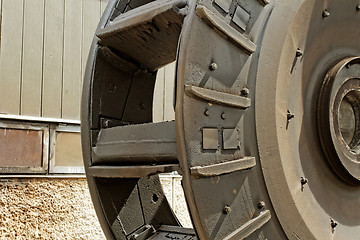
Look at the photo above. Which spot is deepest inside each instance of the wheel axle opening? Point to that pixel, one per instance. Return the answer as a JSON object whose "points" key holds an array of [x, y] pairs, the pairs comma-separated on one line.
{"points": [[349, 120]]}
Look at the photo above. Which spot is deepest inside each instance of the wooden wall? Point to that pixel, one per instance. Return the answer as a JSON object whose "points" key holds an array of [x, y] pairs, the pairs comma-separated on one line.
{"points": [[43, 54], [163, 103]]}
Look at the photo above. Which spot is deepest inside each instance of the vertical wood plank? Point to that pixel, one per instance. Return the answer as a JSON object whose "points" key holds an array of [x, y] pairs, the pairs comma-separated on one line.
{"points": [[169, 113], [91, 17], [72, 60], [158, 100], [11, 56], [32, 58], [53, 58]]}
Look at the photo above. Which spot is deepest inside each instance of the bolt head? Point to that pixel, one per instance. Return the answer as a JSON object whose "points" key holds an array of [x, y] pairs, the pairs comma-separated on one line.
{"points": [[299, 53], [213, 66], [358, 8], [303, 181], [207, 112], [290, 115], [106, 123], [245, 92], [261, 205], [333, 224], [223, 116], [325, 13], [227, 210]]}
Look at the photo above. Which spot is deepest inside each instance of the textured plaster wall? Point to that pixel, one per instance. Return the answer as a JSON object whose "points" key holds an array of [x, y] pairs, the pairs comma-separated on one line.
{"points": [[40, 208], [175, 195]]}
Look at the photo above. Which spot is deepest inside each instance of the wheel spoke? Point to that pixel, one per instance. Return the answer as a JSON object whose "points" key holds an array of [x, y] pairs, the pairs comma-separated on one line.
{"points": [[140, 143], [131, 171]]}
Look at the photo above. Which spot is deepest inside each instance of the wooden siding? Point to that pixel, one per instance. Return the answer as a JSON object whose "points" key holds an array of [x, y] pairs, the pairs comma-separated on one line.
{"points": [[43, 54], [163, 103], [11, 55]]}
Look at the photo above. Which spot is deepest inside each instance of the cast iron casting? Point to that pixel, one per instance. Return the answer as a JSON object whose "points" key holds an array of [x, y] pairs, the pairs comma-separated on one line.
{"points": [[267, 119]]}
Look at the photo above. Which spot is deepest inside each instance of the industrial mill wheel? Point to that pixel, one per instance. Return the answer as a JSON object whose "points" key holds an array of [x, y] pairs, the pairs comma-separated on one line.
{"points": [[267, 119]]}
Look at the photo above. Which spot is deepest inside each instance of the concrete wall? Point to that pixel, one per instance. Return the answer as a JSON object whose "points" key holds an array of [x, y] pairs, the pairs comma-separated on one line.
{"points": [[61, 208]]}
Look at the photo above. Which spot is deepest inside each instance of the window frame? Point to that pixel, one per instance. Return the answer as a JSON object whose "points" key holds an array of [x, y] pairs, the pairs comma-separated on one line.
{"points": [[53, 169], [45, 150]]}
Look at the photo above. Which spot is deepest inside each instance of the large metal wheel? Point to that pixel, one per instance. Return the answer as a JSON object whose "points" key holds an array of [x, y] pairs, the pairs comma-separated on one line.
{"points": [[267, 125]]}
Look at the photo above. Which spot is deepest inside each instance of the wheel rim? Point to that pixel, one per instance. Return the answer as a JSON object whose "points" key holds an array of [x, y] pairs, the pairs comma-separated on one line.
{"points": [[122, 172], [221, 178], [311, 201]]}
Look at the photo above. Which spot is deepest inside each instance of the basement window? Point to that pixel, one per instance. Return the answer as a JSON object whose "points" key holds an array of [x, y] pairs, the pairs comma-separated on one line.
{"points": [[24, 148], [66, 153]]}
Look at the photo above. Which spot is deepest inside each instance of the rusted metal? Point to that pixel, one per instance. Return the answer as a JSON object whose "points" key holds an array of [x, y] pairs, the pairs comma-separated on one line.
{"points": [[21, 148], [24, 147]]}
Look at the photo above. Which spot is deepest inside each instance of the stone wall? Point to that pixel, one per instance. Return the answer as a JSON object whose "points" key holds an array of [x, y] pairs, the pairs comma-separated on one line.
{"points": [[61, 208]]}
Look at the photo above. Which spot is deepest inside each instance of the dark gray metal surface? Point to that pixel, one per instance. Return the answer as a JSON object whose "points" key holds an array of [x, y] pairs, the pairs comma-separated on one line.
{"points": [[157, 24], [249, 136], [118, 93], [140, 143], [222, 182]]}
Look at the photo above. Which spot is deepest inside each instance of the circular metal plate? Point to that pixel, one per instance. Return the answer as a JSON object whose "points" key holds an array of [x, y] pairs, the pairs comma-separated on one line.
{"points": [[310, 200]]}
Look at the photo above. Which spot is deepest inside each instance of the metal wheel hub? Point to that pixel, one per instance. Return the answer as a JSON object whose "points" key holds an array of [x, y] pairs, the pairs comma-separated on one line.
{"points": [[306, 116], [339, 119]]}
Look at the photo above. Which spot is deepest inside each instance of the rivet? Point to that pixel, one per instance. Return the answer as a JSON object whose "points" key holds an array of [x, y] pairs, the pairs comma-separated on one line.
{"points": [[261, 205], [289, 115], [106, 123], [333, 225], [358, 7], [223, 116], [227, 210], [325, 13], [213, 66], [245, 92], [303, 182], [207, 112], [299, 53]]}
